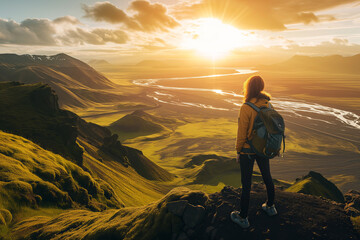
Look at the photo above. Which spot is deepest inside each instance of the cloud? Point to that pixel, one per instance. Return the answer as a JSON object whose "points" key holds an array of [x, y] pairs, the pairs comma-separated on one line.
{"points": [[146, 16], [261, 14], [49, 33], [306, 18], [28, 32], [96, 37], [66, 19]]}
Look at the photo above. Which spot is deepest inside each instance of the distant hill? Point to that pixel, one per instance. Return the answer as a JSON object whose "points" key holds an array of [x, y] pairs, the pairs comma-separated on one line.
{"points": [[315, 184], [187, 214], [140, 123], [75, 82], [332, 64]]}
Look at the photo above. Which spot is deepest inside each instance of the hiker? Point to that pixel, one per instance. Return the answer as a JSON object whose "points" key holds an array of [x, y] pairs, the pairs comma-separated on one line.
{"points": [[253, 95]]}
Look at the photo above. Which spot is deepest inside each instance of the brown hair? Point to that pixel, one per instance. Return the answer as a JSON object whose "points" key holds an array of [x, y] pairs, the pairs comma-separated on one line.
{"points": [[253, 88]]}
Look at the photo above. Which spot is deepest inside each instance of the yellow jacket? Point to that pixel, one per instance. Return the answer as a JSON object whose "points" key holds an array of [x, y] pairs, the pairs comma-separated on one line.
{"points": [[246, 121]]}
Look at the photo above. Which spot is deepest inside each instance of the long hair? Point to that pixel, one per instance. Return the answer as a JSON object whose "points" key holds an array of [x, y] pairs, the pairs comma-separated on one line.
{"points": [[254, 88]]}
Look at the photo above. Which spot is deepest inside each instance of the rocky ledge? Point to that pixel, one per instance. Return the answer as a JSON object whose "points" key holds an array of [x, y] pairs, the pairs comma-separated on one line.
{"points": [[185, 214]]}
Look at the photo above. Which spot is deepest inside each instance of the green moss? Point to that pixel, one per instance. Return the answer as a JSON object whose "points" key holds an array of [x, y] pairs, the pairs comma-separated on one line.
{"points": [[32, 111], [33, 177], [356, 222], [153, 221], [315, 184]]}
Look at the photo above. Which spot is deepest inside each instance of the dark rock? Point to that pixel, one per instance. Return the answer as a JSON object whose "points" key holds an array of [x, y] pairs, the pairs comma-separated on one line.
{"points": [[190, 232], [177, 207], [209, 229], [176, 224], [223, 212], [193, 215], [195, 198], [213, 234], [182, 236], [353, 212], [352, 199]]}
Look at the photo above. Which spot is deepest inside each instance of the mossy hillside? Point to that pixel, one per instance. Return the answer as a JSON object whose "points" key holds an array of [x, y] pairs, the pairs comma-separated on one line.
{"points": [[152, 221], [130, 187], [33, 177], [32, 111], [356, 223], [315, 184], [99, 142]]}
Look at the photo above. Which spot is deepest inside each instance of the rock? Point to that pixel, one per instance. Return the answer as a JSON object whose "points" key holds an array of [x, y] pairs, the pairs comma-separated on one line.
{"points": [[176, 224], [190, 232], [213, 234], [352, 199], [177, 207], [193, 215], [223, 212], [209, 229], [182, 236], [353, 212]]}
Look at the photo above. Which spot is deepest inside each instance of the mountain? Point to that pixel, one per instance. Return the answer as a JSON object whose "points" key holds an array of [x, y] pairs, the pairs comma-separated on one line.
{"points": [[333, 64], [75, 82], [33, 178], [315, 184], [140, 123], [32, 111], [187, 214]]}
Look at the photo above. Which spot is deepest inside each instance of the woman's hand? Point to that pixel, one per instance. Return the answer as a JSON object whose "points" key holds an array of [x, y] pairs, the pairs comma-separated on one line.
{"points": [[238, 157]]}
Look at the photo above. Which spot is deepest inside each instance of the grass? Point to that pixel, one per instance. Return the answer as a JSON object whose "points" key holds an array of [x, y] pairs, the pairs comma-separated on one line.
{"points": [[315, 184], [356, 222], [33, 177], [152, 221], [32, 111]]}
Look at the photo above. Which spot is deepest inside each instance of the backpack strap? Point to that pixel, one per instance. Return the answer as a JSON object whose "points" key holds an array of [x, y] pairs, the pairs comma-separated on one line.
{"points": [[253, 106]]}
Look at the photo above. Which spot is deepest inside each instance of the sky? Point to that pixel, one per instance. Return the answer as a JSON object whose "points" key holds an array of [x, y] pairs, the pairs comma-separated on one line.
{"points": [[128, 31]]}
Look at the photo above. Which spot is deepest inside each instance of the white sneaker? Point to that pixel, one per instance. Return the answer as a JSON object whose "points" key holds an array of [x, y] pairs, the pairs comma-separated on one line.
{"points": [[271, 211], [242, 222]]}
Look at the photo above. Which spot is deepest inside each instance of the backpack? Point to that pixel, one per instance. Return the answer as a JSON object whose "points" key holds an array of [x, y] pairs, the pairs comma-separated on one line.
{"points": [[267, 133]]}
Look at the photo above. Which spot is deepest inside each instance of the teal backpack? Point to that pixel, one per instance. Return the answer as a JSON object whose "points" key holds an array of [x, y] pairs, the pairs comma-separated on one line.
{"points": [[268, 132]]}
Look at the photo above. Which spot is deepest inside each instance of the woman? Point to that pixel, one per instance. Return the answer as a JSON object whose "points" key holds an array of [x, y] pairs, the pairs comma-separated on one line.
{"points": [[253, 92]]}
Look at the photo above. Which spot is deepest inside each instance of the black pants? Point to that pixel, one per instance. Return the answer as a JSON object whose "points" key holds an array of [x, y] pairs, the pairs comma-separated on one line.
{"points": [[247, 165]]}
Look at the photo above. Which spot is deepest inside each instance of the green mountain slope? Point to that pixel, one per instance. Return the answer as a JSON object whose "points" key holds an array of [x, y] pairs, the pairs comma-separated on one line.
{"points": [[315, 184], [33, 177], [32, 111]]}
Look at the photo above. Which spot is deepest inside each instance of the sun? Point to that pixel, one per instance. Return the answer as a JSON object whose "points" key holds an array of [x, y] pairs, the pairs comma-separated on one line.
{"points": [[213, 39]]}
